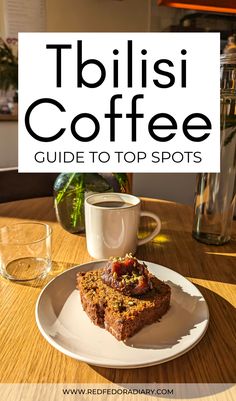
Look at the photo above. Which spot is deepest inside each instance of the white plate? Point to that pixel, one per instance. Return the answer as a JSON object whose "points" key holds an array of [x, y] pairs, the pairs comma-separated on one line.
{"points": [[64, 324]]}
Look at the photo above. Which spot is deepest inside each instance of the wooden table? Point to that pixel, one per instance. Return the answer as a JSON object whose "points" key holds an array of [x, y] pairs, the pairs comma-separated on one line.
{"points": [[26, 357]]}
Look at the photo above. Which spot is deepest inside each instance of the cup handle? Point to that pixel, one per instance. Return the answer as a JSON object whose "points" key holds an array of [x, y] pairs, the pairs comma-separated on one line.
{"points": [[155, 231]]}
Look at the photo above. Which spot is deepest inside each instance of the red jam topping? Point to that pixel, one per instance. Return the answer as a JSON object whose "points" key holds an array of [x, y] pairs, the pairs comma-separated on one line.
{"points": [[127, 275]]}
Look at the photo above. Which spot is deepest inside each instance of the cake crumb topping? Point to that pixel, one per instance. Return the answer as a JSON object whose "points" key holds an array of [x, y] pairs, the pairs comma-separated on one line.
{"points": [[127, 275]]}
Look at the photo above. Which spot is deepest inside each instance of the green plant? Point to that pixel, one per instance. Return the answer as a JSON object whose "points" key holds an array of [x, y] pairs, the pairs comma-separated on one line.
{"points": [[75, 185], [8, 67]]}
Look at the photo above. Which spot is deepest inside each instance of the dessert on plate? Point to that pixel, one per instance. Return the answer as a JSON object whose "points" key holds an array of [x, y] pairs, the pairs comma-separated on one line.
{"points": [[123, 297]]}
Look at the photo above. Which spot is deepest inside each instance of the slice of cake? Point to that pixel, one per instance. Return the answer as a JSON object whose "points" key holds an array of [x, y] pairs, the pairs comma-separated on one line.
{"points": [[123, 297]]}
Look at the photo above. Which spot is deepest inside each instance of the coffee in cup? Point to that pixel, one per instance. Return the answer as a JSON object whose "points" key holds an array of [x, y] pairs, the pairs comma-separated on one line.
{"points": [[112, 223]]}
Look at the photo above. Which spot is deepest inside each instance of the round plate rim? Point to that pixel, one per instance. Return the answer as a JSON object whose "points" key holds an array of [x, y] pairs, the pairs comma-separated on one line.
{"points": [[89, 360]]}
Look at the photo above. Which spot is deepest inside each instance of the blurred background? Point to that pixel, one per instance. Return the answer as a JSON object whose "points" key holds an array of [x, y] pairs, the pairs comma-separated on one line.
{"points": [[89, 16]]}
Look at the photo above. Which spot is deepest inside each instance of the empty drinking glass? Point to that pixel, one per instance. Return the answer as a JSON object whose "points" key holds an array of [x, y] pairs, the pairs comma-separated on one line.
{"points": [[25, 251]]}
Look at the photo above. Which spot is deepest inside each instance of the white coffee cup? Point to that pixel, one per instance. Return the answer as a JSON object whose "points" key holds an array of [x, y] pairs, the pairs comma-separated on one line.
{"points": [[112, 223]]}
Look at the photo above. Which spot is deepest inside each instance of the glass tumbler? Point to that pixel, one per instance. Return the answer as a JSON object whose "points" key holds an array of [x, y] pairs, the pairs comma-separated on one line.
{"points": [[25, 251]]}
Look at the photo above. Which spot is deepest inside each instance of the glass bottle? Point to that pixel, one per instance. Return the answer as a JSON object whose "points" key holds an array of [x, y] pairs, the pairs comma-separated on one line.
{"points": [[70, 190], [215, 192]]}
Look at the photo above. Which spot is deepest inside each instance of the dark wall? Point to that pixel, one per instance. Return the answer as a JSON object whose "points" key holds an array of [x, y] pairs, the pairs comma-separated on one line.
{"points": [[16, 186]]}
